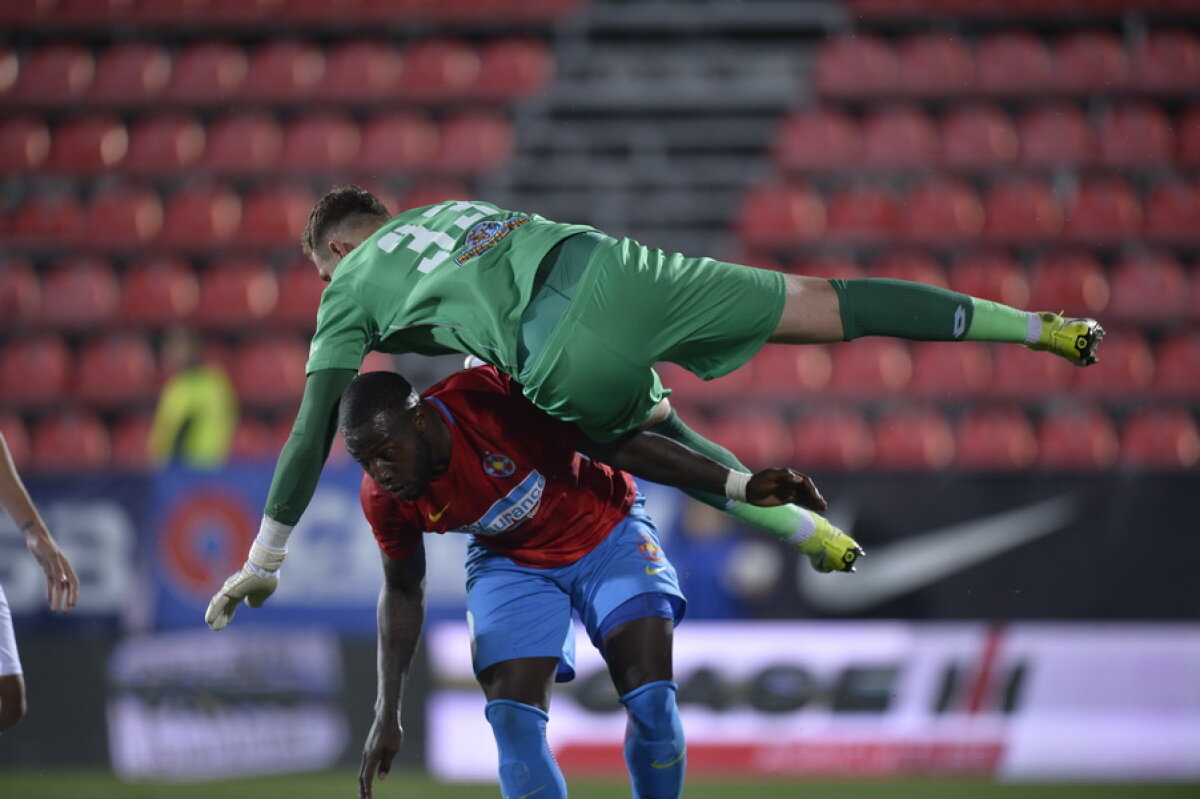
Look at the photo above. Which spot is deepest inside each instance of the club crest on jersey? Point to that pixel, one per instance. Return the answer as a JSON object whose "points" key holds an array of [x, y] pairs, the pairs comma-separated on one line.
{"points": [[498, 465], [485, 235], [649, 549]]}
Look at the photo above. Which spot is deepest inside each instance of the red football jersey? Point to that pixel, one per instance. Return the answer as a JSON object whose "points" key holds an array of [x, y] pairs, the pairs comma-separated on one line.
{"points": [[514, 481]]}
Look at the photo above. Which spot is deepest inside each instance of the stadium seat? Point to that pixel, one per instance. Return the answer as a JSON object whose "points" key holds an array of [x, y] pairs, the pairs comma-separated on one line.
{"points": [[269, 371], [1160, 438], [912, 438], [785, 372], [1178, 359], [991, 275], [88, 144], [978, 137], [779, 215], [935, 64], [1125, 371], [24, 143], [253, 440], [1055, 136], [236, 292], [299, 296], [473, 143], [863, 213], [832, 438], [252, 14], [950, 371], [760, 439], [1070, 281], [1014, 63], [164, 144], [439, 69], [243, 142], [995, 439], [282, 71], [855, 66], [158, 291], [207, 72], [116, 369], [398, 141], [432, 192], [10, 68], [737, 385], [361, 70], [55, 74], [74, 440], [1090, 61], [124, 218], [913, 265], [816, 139], [1149, 287], [20, 292], [201, 216], [1102, 211], [275, 215], [80, 293], [1019, 373], [1187, 150], [1173, 213], [34, 370], [1135, 135], [829, 265], [16, 437], [131, 74], [1167, 60], [512, 67], [1077, 438], [45, 219], [870, 368], [899, 136], [130, 436], [942, 211], [1021, 211], [319, 141]]}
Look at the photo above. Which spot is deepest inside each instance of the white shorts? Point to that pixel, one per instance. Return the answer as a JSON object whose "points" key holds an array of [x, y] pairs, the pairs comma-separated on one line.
{"points": [[10, 661]]}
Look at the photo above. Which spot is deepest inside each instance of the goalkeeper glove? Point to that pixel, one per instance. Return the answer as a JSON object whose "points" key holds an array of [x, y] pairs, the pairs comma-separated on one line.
{"points": [[254, 582]]}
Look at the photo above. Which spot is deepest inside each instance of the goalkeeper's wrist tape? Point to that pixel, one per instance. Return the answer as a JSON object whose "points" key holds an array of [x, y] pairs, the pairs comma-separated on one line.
{"points": [[269, 548], [735, 485]]}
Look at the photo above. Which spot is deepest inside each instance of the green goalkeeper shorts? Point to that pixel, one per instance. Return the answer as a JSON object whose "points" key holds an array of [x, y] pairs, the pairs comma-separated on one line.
{"points": [[633, 306]]}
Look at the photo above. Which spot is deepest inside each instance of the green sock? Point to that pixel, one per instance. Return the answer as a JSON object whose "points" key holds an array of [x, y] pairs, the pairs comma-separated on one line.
{"points": [[916, 311]]}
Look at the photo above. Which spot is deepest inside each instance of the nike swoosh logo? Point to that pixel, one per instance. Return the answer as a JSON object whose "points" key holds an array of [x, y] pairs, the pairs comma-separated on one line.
{"points": [[433, 517], [655, 571], [538, 789], [925, 558], [656, 764]]}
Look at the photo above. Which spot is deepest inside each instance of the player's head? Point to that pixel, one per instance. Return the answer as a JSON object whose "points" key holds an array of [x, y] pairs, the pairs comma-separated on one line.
{"points": [[338, 223], [385, 426]]}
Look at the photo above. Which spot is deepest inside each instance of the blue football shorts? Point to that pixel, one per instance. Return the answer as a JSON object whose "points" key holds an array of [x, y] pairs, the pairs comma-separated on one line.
{"points": [[516, 611]]}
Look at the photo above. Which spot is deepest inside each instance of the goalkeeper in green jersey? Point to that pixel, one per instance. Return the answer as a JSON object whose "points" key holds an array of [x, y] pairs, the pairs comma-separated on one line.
{"points": [[579, 319]]}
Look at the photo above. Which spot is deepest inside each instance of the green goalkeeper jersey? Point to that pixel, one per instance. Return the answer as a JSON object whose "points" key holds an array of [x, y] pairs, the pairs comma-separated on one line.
{"points": [[452, 277]]}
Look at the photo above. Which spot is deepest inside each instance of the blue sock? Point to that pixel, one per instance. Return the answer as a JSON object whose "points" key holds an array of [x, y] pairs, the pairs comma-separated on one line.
{"points": [[526, 766], [654, 745]]}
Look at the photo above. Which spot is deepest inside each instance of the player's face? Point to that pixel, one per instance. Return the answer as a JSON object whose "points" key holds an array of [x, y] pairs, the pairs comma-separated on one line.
{"points": [[395, 453]]}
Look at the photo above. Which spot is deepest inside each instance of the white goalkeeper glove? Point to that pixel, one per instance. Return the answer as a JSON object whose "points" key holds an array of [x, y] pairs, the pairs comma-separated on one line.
{"points": [[254, 582]]}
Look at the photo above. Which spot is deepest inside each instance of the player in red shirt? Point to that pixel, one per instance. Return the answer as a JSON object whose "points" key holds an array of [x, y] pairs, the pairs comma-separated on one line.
{"points": [[553, 529]]}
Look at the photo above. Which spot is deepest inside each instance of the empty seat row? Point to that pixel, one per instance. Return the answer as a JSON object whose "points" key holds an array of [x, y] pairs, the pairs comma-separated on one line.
{"points": [[1006, 10], [1094, 211], [1129, 134], [1007, 63], [219, 72], [253, 143]]}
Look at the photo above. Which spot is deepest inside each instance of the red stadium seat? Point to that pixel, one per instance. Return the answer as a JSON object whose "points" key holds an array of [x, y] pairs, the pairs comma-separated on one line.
{"points": [[275, 215], [439, 69], [855, 66], [131, 74], [398, 141], [1178, 359], [361, 70], [1055, 136], [1149, 287], [995, 439], [236, 292], [16, 437], [88, 144], [20, 292], [34, 370], [1167, 61], [48, 219], [779, 215], [283, 70], [759, 439], [245, 13], [1090, 61], [736, 385], [207, 72], [1188, 140], [832, 438], [319, 141], [935, 64], [829, 266], [1173, 213], [905, 265], [253, 440], [511, 67], [950, 371], [913, 438], [1070, 281], [164, 144], [899, 136], [870, 368], [55, 74], [124, 218], [863, 213], [10, 68], [978, 136], [130, 437], [818, 139], [1077, 438], [71, 441], [1021, 210], [270, 371], [243, 142], [475, 143], [201, 216], [432, 192], [1014, 63], [1125, 371], [1103, 210], [24, 143], [991, 276], [1161, 438], [80, 293], [1021, 374], [943, 211], [299, 296], [785, 372], [1135, 135], [116, 369], [159, 291]]}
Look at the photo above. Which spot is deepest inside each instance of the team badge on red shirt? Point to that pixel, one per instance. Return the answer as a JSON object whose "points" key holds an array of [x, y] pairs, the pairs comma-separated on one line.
{"points": [[498, 465]]}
